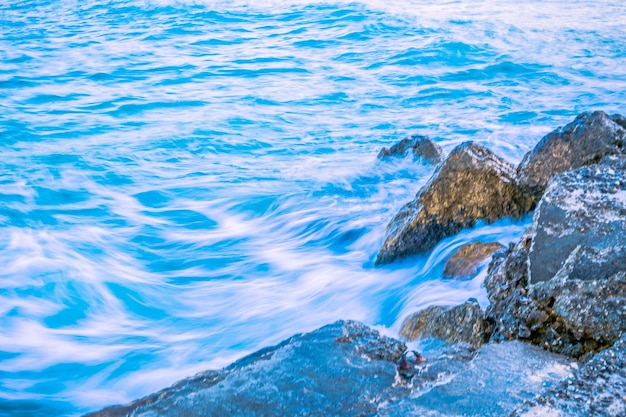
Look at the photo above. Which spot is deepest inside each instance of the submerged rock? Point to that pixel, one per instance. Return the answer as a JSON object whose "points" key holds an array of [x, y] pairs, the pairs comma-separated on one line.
{"points": [[466, 260], [583, 142], [563, 286], [347, 369], [472, 184], [419, 146], [598, 389], [462, 323]]}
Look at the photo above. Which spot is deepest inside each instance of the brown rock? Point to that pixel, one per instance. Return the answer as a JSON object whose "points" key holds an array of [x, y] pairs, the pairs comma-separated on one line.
{"points": [[462, 323], [472, 184], [465, 261]]}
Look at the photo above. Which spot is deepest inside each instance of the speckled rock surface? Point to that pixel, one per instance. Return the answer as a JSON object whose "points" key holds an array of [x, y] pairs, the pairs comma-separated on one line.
{"points": [[462, 323], [421, 147], [584, 141], [598, 389], [465, 261], [563, 287], [472, 184], [579, 227], [507, 291]]}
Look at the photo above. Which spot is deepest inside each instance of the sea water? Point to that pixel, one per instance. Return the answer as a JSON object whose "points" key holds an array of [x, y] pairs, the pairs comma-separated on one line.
{"points": [[183, 182]]}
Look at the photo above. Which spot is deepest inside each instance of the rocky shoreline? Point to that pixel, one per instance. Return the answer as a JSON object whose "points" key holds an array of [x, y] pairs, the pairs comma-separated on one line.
{"points": [[557, 301]]}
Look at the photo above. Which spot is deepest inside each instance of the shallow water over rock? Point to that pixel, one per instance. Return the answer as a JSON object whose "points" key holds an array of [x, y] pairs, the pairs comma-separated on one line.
{"points": [[348, 369]]}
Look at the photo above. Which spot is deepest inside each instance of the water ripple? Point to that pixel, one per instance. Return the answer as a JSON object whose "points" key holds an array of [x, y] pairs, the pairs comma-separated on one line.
{"points": [[184, 182]]}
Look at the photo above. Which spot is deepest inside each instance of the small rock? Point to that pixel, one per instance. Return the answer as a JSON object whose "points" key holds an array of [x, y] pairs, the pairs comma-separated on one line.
{"points": [[583, 142], [462, 323], [472, 184], [420, 146], [465, 261]]}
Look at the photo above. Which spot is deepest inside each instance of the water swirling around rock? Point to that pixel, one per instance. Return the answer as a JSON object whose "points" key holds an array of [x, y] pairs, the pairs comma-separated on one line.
{"points": [[184, 182]]}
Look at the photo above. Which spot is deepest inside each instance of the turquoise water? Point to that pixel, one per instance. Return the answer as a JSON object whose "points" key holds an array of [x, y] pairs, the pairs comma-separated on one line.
{"points": [[185, 182]]}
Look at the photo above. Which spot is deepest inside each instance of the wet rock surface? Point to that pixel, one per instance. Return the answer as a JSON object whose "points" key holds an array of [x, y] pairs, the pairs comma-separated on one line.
{"points": [[348, 369], [497, 379], [419, 146], [462, 323], [343, 369], [598, 389], [465, 261], [583, 142], [472, 184], [563, 286]]}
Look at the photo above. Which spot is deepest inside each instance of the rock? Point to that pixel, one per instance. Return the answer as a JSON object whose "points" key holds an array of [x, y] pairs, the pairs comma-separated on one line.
{"points": [[472, 184], [507, 290], [579, 227], [347, 369], [462, 323], [343, 369], [568, 316], [493, 383], [619, 119], [590, 314], [563, 287], [583, 142], [598, 389], [420, 146], [465, 261]]}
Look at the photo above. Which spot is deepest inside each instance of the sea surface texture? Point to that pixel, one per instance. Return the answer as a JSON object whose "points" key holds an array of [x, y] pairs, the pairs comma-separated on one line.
{"points": [[183, 182]]}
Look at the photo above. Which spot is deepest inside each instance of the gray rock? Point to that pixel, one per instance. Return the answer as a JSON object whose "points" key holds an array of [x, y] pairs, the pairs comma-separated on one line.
{"points": [[507, 291], [472, 184], [568, 316], [579, 226], [598, 389], [619, 119], [591, 314], [347, 369], [462, 323], [465, 261], [419, 146], [343, 369], [583, 142], [496, 381], [563, 286]]}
